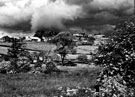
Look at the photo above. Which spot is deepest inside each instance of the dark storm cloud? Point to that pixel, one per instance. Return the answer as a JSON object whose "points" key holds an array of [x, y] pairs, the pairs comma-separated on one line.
{"points": [[105, 16], [23, 26], [113, 8], [78, 2], [39, 13], [35, 14]]}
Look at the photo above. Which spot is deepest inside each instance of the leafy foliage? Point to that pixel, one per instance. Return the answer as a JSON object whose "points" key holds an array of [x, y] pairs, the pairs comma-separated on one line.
{"points": [[64, 38], [18, 56], [5, 67], [46, 32], [91, 40], [64, 41], [17, 48], [118, 57], [82, 58]]}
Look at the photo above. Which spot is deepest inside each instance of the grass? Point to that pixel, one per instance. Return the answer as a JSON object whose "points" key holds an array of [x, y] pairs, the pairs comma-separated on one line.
{"points": [[45, 85], [86, 49], [30, 45], [40, 46]]}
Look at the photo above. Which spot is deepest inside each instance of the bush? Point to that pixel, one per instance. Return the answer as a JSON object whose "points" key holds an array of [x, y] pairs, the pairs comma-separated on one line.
{"points": [[5, 66], [51, 67], [82, 58], [56, 57], [118, 59], [34, 56], [39, 58], [23, 64], [73, 51], [43, 63]]}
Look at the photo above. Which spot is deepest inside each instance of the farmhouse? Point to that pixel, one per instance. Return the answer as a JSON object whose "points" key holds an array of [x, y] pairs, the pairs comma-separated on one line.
{"points": [[30, 38]]}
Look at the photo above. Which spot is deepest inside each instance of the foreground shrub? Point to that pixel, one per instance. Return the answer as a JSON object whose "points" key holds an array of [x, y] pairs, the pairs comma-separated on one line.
{"points": [[56, 57], [118, 59], [23, 64], [82, 58], [51, 67], [5, 66], [73, 51], [79, 92]]}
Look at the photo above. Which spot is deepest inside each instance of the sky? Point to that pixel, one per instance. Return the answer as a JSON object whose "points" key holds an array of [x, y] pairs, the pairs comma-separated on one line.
{"points": [[25, 15]]}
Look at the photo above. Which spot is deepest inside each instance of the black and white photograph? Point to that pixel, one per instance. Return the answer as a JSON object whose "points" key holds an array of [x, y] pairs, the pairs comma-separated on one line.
{"points": [[67, 48]]}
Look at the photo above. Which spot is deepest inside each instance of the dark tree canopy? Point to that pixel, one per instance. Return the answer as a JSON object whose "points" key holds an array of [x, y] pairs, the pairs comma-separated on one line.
{"points": [[64, 38], [46, 32]]}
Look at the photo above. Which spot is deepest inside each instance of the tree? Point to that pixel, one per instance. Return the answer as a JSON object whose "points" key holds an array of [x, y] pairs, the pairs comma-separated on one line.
{"points": [[64, 42], [117, 58], [91, 40], [46, 32], [6, 38], [39, 34], [18, 56], [16, 48]]}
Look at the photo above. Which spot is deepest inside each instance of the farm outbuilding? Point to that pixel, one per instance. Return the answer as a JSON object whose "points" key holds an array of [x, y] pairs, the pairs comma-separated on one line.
{"points": [[30, 38]]}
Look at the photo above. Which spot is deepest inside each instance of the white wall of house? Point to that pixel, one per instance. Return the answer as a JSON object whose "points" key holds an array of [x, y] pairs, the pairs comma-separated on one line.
{"points": [[30, 38]]}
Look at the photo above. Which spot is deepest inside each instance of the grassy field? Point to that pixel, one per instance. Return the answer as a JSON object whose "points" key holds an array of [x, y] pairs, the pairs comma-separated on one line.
{"points": [[46, 47], [86, 49], [30, 45], [40, 46], [46, 85]]}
